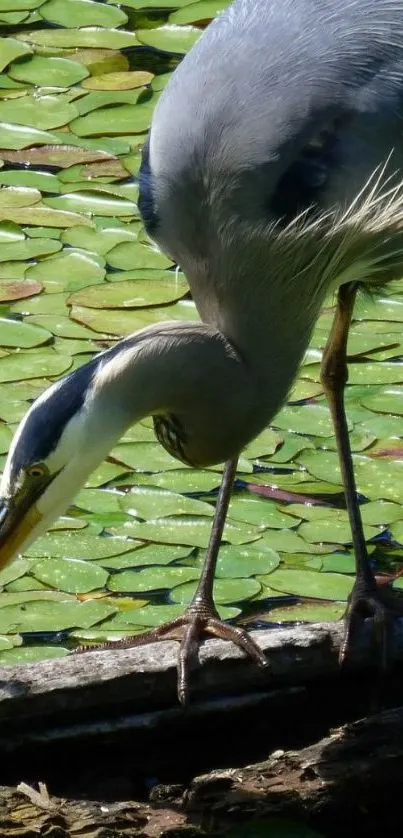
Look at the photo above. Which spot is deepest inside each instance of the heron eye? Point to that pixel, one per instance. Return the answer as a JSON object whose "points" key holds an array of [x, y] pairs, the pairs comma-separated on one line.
{"points": [[37, 470]]}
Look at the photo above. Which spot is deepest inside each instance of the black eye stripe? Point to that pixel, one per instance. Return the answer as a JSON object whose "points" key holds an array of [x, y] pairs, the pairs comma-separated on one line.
{"points": [[146, 199]]}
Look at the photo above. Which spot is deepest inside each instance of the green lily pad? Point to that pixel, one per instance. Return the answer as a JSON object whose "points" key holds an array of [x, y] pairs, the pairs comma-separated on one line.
{"points": [[306, 419], [260, 512], [68, 267], [18, 196], [151, 579], [32, 365], [105, 98], [125, 322], [92, 202], [70, 575], [143, 502], [182, 480], [50, 616], [305, 583], [128, 255], [64, 327], [241, 562], [98, 241], [90, 36], [184, 529], [44, 181], [76, 546], [226, 591], [119, 119], [31, 654], [30, 248], [24, 335], [170, 38], [42, 112], [13, 571], [10, 49], [131, 294], [144, 555], [19, 136], [82, 13], [304, 612], [332, 531], [119, 80], [198, 12], [40, 70]]}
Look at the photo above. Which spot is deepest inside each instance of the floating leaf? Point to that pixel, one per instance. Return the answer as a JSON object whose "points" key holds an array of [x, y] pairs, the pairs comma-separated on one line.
{"points": [[304, 612], [305, 583], [39, 69], [144, 555], [170, 38], [70, 575], [151, 579], [68, 267], [81, 546], [50, 616], [90, 36], [202, 11], [123, 80], [42, 112], [92, 202], [131, 294], [31, 654], [23, 335], [143, 502], [10, 49], [241, 562], [226, 591], [82, 13], [120, 119], [186, 530], [29, 365]]}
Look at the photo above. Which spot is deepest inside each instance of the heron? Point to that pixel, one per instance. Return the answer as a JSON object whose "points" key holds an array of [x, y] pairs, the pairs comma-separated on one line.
{"points": [[272, 175]]}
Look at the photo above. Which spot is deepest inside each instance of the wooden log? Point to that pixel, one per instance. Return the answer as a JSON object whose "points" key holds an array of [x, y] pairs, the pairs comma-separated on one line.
{"points": [[101, 690], [347, 783]]}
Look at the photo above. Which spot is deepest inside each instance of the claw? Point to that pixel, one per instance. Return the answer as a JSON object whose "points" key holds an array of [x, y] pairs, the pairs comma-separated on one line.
{"points": [[198, 621]]}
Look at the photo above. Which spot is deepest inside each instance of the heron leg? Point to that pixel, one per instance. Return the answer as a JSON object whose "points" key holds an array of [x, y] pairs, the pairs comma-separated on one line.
{"points": [[201, 618], [367, 598]]}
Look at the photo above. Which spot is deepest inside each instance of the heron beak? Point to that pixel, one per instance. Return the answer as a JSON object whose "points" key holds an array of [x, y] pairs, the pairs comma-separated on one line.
{"points": [[17, 521]]}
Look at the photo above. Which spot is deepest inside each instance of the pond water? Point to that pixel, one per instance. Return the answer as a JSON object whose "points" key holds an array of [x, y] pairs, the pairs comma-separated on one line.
{"points": [[78, 84]]}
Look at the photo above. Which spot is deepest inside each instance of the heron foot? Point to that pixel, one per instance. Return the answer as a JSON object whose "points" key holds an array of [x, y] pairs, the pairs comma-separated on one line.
{"points": [[198, 621], [378, 601]]}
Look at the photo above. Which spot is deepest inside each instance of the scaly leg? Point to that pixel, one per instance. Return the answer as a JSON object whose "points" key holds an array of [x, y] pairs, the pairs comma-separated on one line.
{"points": [[367, 599], [201, 618]]}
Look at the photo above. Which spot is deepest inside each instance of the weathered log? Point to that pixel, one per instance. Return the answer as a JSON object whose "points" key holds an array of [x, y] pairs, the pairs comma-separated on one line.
{"points": [[347, 783], [102, 691]]}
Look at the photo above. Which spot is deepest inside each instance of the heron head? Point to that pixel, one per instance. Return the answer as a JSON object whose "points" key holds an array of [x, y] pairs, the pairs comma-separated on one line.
{"points": [[57, 445]]}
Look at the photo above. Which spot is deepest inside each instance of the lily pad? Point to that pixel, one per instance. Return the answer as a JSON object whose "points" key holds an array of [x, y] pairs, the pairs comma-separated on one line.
{"points": [[226, 591], [304, 612], [185, 529], [305, 583], [31, 654], [131, 294], [82, 13], [142, 502], [118, 119], [30, 365], [70, 575], [81, 546], [241, 562], [23, 335], [50, 616], [170, 38], [39, 69], [151, 579]]}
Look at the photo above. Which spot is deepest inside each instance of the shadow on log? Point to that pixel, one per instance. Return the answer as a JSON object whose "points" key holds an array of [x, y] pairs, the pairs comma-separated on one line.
{"points": [[106, 726]]}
